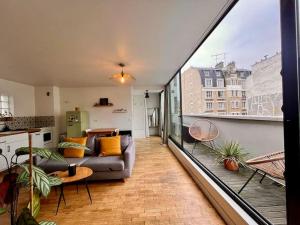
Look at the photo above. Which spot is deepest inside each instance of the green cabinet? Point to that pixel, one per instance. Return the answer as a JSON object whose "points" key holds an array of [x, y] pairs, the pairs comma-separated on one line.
{"points": [[77, 123]]}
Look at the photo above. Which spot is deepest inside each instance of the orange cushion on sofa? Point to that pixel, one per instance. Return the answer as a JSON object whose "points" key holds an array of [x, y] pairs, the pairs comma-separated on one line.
{"points": [[75, 152], [110, 146]]}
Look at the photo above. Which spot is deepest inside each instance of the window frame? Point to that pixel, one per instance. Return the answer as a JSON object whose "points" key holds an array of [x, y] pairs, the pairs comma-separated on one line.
{"points": [[286, 9]]}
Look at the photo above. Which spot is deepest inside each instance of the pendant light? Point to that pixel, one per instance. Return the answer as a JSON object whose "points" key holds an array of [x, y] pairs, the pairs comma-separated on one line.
{"points": [[146, 94], [122, 77]]}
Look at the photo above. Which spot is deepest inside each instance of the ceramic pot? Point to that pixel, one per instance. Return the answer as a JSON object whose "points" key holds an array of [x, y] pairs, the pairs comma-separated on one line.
{"points": [[231, 165]]}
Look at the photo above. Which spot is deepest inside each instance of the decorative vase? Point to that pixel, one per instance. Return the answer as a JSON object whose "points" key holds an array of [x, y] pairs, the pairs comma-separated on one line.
{"points": [[72, 170], [231, 165]]}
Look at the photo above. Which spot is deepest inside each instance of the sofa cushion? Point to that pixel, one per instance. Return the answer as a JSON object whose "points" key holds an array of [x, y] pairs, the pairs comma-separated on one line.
{"points": [[90, 143], [53, 165], [101, 164], [110, 146], [75, 152]]}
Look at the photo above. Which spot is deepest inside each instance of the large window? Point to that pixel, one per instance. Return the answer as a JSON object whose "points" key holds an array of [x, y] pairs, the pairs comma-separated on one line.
{"points": [[6, 105], [175, 109], [238, 92]]}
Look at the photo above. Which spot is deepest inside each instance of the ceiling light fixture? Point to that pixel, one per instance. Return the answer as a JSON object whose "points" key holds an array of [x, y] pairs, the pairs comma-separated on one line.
{"points": [[146, 94], [122, 77]]}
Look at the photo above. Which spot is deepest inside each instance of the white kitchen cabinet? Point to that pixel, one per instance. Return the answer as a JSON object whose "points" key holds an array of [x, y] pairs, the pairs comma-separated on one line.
{"points": [[37, 140], [9, 144], [3, 165]]}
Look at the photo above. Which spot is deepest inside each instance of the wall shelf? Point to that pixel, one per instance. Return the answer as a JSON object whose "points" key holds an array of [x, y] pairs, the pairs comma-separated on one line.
{"points": [[98, 105], [121, 110]]}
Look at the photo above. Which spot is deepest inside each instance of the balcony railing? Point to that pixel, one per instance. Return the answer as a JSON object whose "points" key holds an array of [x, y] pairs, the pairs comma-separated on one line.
{"points": [[258, 136]]}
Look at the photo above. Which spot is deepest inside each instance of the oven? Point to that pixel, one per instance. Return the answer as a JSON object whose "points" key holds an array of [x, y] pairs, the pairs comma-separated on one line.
{"points": [[47, 136]]}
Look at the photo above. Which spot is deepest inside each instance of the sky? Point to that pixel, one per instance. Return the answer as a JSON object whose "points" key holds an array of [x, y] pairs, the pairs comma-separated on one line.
{"points": [[250, 31]]}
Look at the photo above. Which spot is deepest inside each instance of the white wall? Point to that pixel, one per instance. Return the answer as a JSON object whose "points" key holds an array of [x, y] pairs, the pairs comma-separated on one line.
{"points": [[139, 116], [103, 117], [24, 103], [44, 105]]}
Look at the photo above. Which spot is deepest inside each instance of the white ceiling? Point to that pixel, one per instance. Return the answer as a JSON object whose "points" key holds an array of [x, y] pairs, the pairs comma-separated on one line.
{"points": [[74, 43]]}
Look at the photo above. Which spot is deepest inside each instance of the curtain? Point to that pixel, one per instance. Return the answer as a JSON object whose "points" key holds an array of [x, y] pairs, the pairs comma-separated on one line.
{"points": [[166, 116]]}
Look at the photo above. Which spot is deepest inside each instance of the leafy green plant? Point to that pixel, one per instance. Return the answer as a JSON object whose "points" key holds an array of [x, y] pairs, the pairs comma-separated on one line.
{"points": [[42, 182], [231, 151]]}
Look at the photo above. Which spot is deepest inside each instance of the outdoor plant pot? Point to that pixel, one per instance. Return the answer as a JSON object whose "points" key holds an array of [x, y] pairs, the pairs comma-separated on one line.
{"points": [[231, 165]]}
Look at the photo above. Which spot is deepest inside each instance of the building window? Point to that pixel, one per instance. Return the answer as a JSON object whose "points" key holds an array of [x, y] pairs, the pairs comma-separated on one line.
{"points": [[233, 82], [218, 73], [206, 73], [220, 83], [220, 94], [234, 93], [243, 83], [243, 104], [243, 93], [6, 105], [209, 94], [209, 105], [236, 104], [208, 82], [221, 105]]}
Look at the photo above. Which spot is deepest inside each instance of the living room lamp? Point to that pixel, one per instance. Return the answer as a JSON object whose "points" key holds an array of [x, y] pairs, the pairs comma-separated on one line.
{"points": [[122, 77]]}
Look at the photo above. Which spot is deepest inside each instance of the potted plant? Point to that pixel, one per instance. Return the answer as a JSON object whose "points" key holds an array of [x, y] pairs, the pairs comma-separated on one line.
{"points": [[29, 176], [231, 154]]}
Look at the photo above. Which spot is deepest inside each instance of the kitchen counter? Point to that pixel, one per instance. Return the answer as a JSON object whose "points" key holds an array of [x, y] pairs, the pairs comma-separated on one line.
{"points": [[14, 132]]}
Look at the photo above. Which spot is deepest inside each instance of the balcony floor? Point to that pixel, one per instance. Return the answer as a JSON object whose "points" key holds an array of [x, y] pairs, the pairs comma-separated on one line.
{"points": [[268, 197]]}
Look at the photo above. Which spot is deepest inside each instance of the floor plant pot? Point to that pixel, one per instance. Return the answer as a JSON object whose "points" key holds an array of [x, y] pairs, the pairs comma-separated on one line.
{"points": [[231, 165]]}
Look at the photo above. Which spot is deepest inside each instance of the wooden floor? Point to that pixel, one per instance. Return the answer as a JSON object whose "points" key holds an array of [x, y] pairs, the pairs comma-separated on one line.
{"points": [[159, 192], [268, 197]]}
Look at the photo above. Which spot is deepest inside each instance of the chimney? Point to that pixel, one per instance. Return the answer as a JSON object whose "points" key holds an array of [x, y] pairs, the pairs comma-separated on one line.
{"points": [[231, 67], [219, 65]]}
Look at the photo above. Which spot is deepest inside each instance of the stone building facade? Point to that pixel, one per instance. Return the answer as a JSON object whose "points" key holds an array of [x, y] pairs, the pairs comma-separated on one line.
{"points": [[219, 90], [264, 87]]}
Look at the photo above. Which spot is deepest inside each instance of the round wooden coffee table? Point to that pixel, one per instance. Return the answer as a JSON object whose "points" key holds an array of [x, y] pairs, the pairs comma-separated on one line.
{"points": [[82, 173]]}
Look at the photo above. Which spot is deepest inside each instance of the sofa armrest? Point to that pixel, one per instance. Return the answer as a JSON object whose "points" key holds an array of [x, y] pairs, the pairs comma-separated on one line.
{"points": [[129, 156]]}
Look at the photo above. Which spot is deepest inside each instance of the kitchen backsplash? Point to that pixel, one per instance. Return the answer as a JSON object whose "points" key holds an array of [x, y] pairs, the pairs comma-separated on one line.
{"points": [[31, 122]]}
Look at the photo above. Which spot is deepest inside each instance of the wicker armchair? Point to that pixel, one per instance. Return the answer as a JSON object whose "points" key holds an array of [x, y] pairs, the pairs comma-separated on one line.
{"points": [[204, 131], [271, 164]]}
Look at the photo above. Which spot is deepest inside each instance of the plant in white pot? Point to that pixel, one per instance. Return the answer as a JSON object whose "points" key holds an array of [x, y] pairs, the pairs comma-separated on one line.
{"points": [[231, 154]]}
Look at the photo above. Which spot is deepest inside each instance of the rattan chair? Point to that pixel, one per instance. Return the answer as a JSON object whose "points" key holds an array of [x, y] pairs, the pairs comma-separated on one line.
{"points": [[203, 130], [271, 164]]}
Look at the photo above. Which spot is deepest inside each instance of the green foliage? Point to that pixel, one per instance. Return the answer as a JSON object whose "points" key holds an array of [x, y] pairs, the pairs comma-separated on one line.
{"points": [[72, 145], [26, 218], [36, 204], [43, 152], [2, 211], [54, 181], [232, 151], [40, 178], [47, 223]]}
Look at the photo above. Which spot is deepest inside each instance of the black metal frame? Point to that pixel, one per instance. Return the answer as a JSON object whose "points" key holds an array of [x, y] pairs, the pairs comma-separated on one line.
{"points": [[290, 85], [291, 93], [62, 195]]}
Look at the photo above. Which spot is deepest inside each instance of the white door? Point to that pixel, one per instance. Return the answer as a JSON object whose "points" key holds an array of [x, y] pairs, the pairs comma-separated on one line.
{"points": [[139, 116]]}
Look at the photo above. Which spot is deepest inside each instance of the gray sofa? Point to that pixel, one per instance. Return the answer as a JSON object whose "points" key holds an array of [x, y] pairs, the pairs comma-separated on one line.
{"points": [[105, 168]]}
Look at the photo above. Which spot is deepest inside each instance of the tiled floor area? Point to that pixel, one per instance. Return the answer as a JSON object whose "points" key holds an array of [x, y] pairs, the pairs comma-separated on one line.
{"points": [[159, 192]]}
